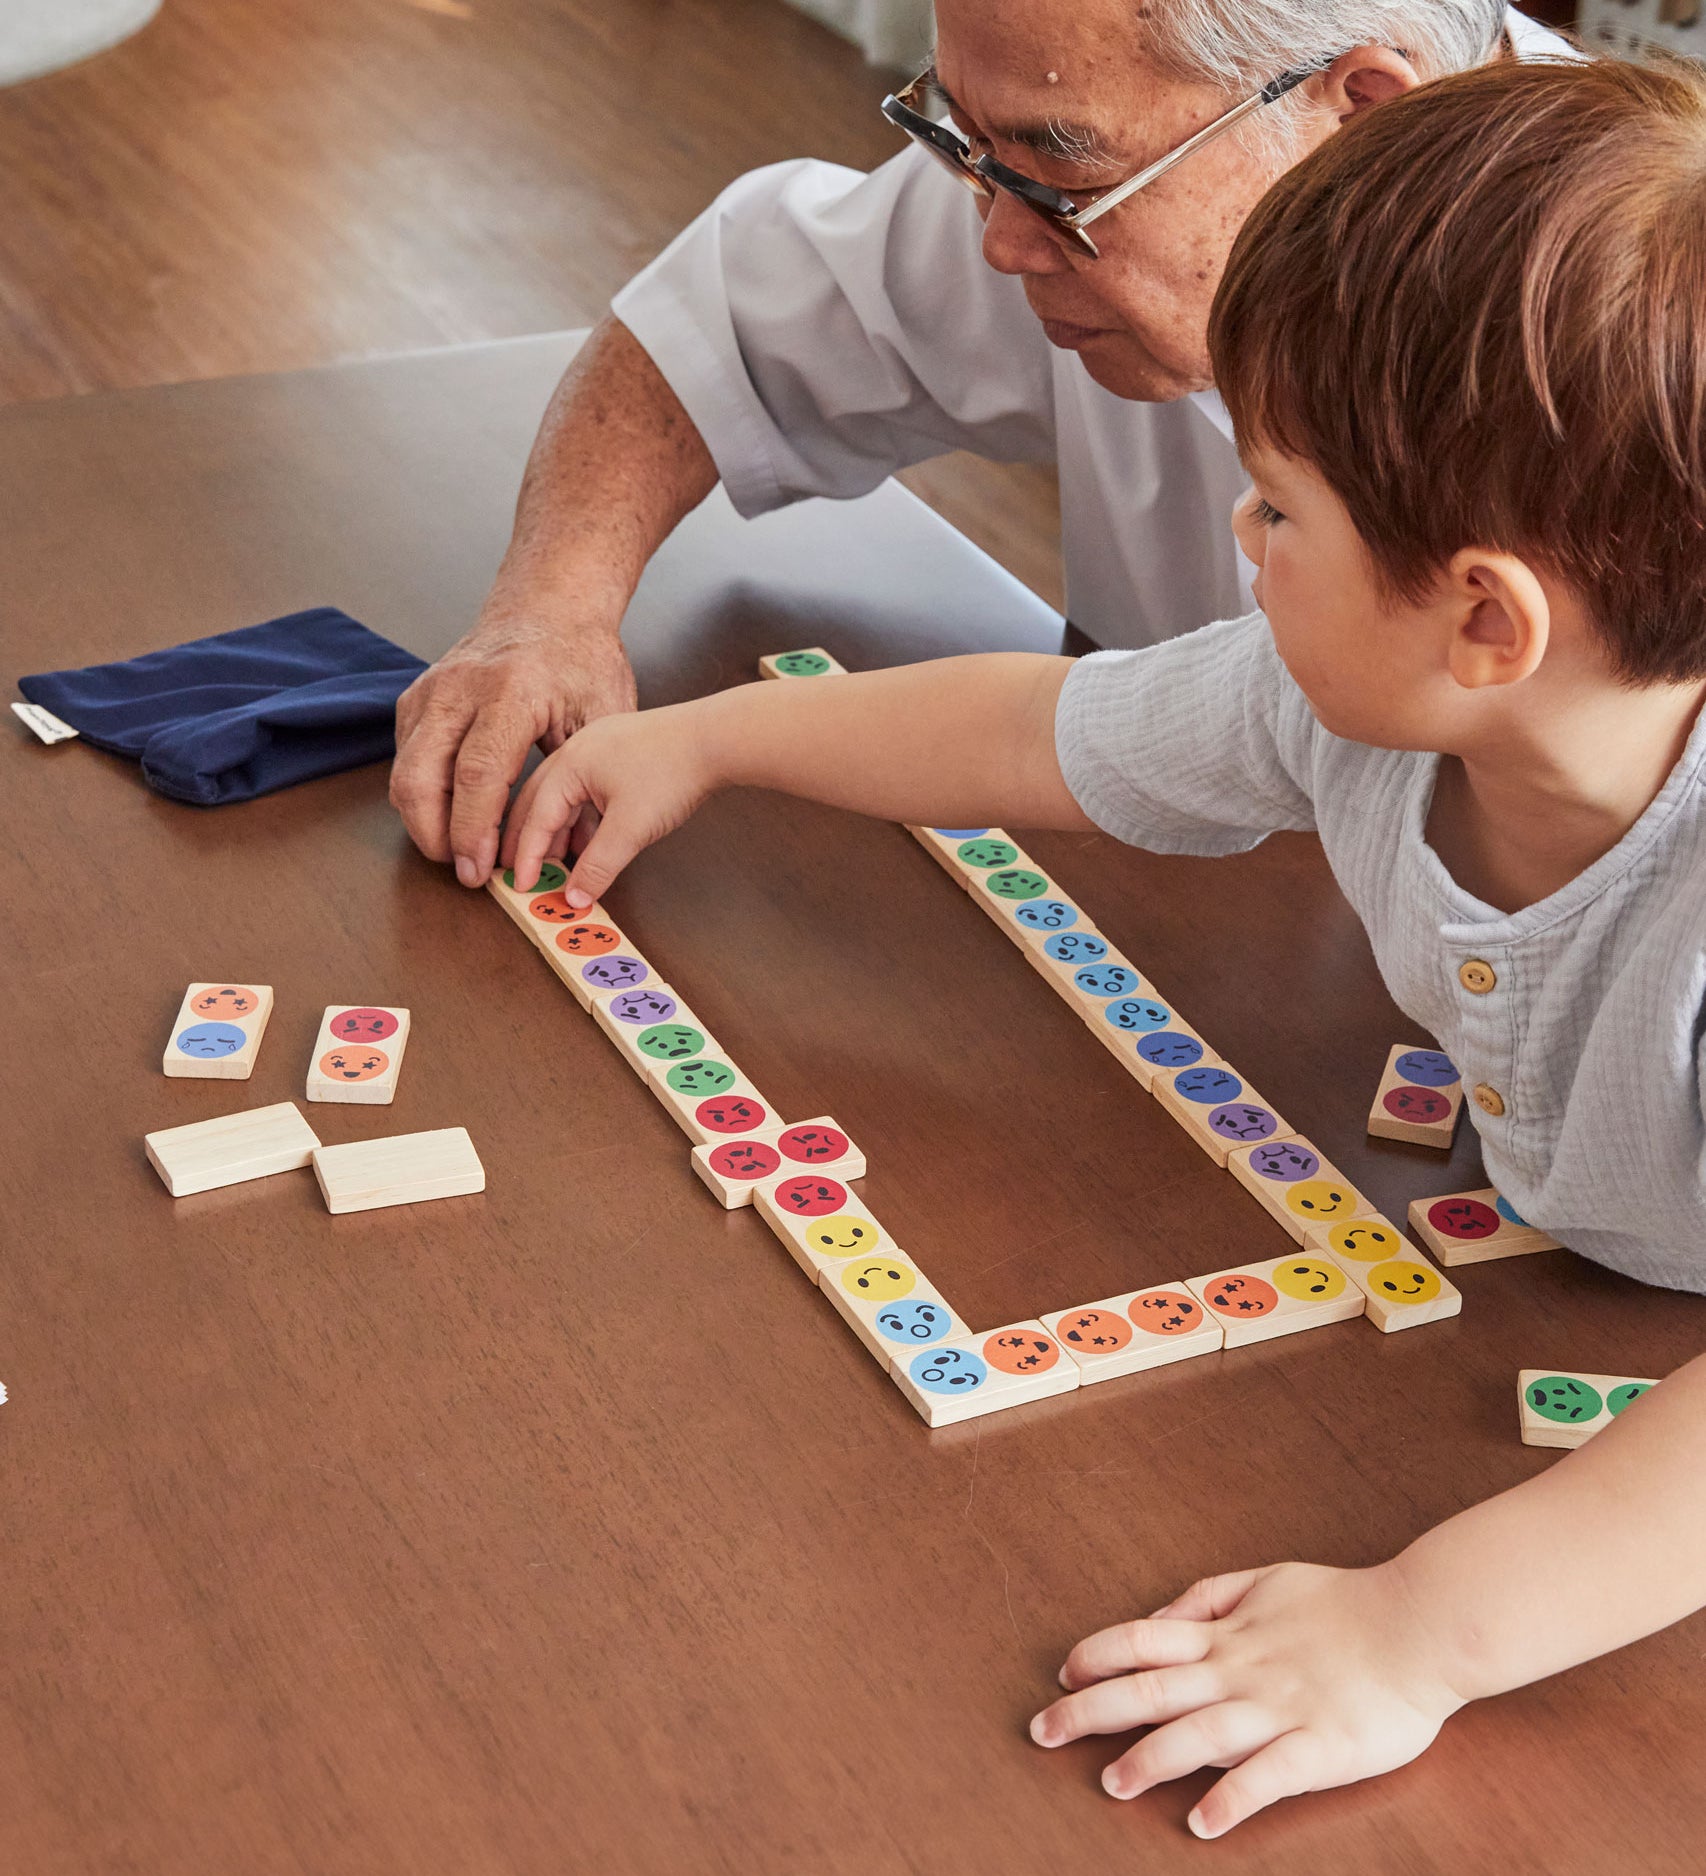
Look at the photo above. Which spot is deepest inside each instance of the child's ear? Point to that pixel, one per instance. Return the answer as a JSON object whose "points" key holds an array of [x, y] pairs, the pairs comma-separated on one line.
{"points": [[1503, 619]]}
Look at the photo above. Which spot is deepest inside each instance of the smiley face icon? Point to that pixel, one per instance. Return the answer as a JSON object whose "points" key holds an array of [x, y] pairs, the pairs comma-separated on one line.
{"points": [[1094, 1331], [1207, 1086], [801, 663], [553, 909], [987, 853], [354, 1064], [1106, 980], [844, 1235], [913, 1321], [232, 1002], [551, 878], [1075, 947], [878, 1281], [1046, 914], [1316, 1199], [731, 1113], [744, 1159], [1620, 1397], [669, 1042], [948, 1371], [642, 1007], [811, 1198], [1021, 1351], [1463, 1218], [1136, 1014], [209, 1042], [1364, 1243], [1242, 1121], [616, 972], [363, 1025], [1284, 1162], [1017, 882], [1309, 1281], [1422, 1105], [1165, 1312], [701, 1077], [1239, 1296], [1171, 1048], [811, 1145], [1563, 1398], [1429, 1068], [1400, 1281], [588, 941]]}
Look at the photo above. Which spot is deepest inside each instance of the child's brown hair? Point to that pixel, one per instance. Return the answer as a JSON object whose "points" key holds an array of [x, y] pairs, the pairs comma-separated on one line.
{"points": [[1480, 313]]}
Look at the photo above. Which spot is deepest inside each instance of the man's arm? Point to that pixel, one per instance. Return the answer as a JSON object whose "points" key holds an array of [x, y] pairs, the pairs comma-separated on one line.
{"points": [[616, 465]]}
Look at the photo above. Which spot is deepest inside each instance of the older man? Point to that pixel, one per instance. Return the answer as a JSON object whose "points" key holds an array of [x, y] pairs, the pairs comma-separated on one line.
{"points": [[816, 329]]}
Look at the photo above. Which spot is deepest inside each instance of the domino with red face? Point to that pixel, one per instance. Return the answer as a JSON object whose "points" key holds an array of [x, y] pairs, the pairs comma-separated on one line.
{"points": [[1419, 1098], [358, 1054], [733, 1169]]}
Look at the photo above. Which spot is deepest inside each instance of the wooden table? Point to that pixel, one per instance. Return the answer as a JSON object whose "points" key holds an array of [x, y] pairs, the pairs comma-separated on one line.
{"points": [[565, 1528]]}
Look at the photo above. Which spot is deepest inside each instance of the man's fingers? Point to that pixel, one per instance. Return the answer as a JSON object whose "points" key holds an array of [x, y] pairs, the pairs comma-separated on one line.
{"points": [[1131, 1645], [1210, 1597], [421, 779], [1289, 1766], [1222, 1735], [487, 764], [1116, 1706]]}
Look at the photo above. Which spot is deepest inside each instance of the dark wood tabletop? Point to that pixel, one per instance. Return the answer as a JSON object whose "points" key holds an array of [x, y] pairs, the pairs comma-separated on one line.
{"points": [[565, 1528]]}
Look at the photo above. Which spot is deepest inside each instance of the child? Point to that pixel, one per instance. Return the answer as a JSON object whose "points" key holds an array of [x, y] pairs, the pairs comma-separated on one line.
{"points": [[1464, 348]]}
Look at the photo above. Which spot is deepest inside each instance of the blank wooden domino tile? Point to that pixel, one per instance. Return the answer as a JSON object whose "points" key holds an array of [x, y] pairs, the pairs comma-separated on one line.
{"points": [[652, 1024], [217, 1032], [1419, 1098], [1257, 1302], [1219, 1109], [1402, 1289], [733, 1169], [1142, 1329], [889, 1304], [985, 1373], [1149, 1039], [1296, 1183], [1565, 1409], [358, 1054], [407, 1168], [811, 661], [820, 1220], [230, 1149], [709, 1097], [1474, 1228]]}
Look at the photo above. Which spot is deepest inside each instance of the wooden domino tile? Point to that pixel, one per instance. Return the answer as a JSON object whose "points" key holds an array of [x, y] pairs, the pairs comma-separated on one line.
{"points": [[406, 1169], [1419, 1098], [1256, 1302], [732, 1169], [1474, 1228], [1088, 985], [217, 1032], [1402, 1289], [812, 661], [709, 1097], [1565, 1409], [226, 1151], [652, 1025], [889, 1304], [943, 846], [553, 877], [1024, 903], [597, 962], [1149, 1039], [820, 1220], [1142, 1329], [1219, 1109], [358, 1054], [986, 1373], [1297, 1184]]}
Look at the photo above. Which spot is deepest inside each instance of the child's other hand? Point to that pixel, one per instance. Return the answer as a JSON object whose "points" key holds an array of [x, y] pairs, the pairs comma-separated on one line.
{"points": [[1297, 1677], [611, 790]]}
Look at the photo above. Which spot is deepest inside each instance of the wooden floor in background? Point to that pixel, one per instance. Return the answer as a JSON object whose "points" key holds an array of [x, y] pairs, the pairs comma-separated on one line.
{"points": [[247, 188]]}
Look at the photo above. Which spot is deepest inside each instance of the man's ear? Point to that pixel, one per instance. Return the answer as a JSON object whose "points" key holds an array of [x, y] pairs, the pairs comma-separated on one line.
{"points": [[1502, 619], [1363, 76]]}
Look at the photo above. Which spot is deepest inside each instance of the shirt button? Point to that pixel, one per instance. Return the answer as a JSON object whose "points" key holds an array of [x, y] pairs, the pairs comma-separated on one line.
{"points": [[1476, 976], [1489, 1100]]}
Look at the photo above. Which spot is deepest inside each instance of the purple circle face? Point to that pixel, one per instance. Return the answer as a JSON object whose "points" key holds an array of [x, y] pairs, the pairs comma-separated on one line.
{"points": [[1285, 1162], [1428, 1068], [616, 972], [1243, 1121], [642, 1008], [1210, 1086], [1170, 1048]]}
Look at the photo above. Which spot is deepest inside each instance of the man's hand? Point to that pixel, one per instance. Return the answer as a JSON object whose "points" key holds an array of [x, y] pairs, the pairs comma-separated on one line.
{"points": [[1297, 1677], [464, 728]]}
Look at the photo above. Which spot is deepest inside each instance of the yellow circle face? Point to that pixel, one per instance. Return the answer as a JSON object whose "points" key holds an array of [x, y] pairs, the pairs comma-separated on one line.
{"points": [[1316, 1199], [1363, 1243], [1309, 1281], [1402, 1282], [843, 1236], [878, 1280]]}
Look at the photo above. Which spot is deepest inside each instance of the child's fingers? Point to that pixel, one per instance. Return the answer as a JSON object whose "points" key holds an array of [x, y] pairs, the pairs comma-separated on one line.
{"points": [[1210, 1597], [1222, 1735], [586, 825], [1116, 1706], [609, 849], [1131, 1645], [544, 813], [1289, 1766]]}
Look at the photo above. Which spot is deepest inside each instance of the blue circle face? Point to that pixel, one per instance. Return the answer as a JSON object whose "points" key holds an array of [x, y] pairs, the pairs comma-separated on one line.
{"points": [[1170, 1049], [642, 1007], [1106, 980], [1133, 1013], [1243, 1122], [1285, 1162], [912, 1322], [1075, 947], [959, 833], [948, 1371], [1210, 1086], [1509, 1213], [1047, 915], [207, 1042], [615, 972], [1427, 1068]]}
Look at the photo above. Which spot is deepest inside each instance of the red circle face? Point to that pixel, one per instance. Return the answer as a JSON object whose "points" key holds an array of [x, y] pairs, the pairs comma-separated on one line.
{"points": [[362, 1025], [811, 1198], [554, 909], [231, 1002], [1021, 1351], [1166, 1312], [354, 1064], [1094, 1331], [588, 941], [1419, 1104], [730, 1114], [808, 1145], [1243, 1296], [744, 1159], [1463, 1218]]}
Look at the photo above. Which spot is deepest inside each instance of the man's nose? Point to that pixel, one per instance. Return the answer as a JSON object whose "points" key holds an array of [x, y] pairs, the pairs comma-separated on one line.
{"points": [[1015, 241]]}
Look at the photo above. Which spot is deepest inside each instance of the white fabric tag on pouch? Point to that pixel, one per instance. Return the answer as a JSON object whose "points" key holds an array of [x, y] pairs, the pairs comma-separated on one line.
{"points": [[43, 722]]}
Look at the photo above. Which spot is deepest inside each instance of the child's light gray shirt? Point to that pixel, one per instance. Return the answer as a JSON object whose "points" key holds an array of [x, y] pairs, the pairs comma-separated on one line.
{"points": [[1591, 1032]]}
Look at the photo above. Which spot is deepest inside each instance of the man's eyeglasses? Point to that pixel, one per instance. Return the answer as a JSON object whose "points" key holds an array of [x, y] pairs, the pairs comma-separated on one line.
{"points": [[1067, 218]]}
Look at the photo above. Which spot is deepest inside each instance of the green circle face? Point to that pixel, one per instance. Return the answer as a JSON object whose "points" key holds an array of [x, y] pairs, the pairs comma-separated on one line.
{"points": [[552, 878], [1620, 1397], [987, 853], [1017, 883], [1563, 1397], [701, 1078], [670, 1042], [802, 664]]}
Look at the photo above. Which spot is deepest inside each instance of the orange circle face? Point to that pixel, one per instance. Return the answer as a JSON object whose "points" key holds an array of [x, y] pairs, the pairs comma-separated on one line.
{"points": [[354, 1064], [554, 909], [1021, 1351], [1241, 1296], [230, 1003], [588, 941], [1166, 1312], [1094, 1331]]}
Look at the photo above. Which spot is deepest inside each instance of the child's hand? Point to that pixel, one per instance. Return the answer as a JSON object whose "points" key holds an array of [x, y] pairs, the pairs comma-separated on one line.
{"points": [[1296, 1676]]}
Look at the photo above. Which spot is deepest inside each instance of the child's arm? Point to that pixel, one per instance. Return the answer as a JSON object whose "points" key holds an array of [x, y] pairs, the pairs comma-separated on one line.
{"points": [[938, 742], [1301, 1677]]}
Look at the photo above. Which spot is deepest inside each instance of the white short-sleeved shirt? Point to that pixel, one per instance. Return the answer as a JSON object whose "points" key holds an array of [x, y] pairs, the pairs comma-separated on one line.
{"points": [[824, 328], [1594, 1032]]}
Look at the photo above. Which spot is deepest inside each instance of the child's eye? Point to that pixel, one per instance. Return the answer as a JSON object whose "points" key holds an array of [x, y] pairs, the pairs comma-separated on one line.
{"points": [[1265, 514]]}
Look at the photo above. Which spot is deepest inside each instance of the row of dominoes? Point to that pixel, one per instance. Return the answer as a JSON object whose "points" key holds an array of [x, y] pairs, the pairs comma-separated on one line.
{"points": [[356, 1058]]}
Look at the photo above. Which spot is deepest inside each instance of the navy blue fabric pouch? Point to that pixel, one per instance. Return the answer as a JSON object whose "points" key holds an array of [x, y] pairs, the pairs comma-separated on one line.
{"points": [[242, 713]]}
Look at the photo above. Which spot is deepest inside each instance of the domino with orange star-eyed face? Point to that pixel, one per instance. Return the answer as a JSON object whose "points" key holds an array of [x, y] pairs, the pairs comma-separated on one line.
{"points": [[968, 1375], [1282, 1296], [217, 1032], [358, 1054]]}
